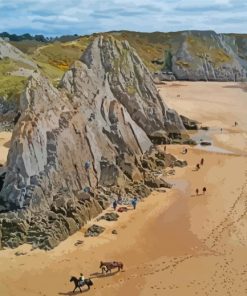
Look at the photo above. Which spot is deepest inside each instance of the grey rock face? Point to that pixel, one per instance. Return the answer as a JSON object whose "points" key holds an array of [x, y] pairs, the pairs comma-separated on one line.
{"points": [[103, 112], [9, 51], [208, 56]]}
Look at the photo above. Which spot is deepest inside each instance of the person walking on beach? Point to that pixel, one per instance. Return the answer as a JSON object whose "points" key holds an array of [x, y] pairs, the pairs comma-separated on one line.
{"points": [[184, 151], [204, 189], [202, 161], [114, 205], [235, 124], [197, 191], [134, 202], [198, 167]]}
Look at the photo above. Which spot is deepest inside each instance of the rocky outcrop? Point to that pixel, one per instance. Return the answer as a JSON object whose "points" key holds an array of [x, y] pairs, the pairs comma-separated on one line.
{"points": [[9, 51], [189, 124], [104, 111], [8, 113], [94, 230], [208, 56]]}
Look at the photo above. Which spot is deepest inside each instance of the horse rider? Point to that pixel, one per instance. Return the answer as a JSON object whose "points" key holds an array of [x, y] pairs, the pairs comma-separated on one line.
{"points": [[81, 279]]}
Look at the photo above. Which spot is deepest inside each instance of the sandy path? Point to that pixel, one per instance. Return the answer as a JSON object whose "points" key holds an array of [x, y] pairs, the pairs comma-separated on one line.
{"points": [[175, 243], [5, 138]]}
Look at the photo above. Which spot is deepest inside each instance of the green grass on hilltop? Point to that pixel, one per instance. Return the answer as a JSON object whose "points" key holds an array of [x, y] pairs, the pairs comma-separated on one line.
{"points": [[11, 86], [207, 49], [27, 46], [56, 58]]}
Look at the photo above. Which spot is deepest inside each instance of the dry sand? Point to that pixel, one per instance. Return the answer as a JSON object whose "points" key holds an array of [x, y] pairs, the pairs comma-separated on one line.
{"points": [[175, 243], [5, 138]]}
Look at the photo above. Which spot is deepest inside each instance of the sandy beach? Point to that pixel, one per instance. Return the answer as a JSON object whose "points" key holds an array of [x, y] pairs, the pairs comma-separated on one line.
{"points": [[5, 138], [175, 243]]}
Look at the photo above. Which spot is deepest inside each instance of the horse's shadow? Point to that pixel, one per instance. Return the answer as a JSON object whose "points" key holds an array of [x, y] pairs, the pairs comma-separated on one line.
{"points": [[102, 275], [73, 293]]}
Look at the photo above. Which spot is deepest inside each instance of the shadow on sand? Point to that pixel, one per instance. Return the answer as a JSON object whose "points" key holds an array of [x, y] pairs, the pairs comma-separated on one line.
{"points": [[71, 292], [102, 275], [196, 195]]}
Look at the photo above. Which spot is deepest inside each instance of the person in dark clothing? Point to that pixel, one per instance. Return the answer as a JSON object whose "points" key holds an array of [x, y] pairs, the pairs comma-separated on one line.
{"points": [[87, 165], [114, 205], [119, 200], [204, 189], [202, 161], [134, 202], [198, 166], [197, 191]]}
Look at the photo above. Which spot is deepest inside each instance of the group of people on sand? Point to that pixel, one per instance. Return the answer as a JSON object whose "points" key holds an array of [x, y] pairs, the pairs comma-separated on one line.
{"points": [[199, 165], [119, 201], [204, 189], [235, 124]]}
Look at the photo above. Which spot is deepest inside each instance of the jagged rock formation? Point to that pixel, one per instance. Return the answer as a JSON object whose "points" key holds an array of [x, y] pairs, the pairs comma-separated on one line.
{"points": [[104, 111]]}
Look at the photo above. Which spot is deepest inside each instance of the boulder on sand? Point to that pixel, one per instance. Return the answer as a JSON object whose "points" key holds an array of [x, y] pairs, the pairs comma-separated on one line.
{"points": [[110, 217], [94, 230]]}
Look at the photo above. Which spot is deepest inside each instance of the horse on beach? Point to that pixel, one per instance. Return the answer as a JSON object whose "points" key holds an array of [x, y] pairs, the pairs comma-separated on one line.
{"points": [[86, 282], [108, 266]]}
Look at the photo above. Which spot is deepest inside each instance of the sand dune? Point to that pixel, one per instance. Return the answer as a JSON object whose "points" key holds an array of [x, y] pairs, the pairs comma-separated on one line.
{"points": [[175, 243]]}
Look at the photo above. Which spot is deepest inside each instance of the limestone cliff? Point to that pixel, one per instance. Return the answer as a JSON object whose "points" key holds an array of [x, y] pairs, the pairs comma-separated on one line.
{"points": [[208, 56], [104, 111]]}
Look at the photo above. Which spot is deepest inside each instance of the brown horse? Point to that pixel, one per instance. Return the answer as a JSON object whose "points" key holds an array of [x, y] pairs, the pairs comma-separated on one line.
{"points": [[108, 266]]}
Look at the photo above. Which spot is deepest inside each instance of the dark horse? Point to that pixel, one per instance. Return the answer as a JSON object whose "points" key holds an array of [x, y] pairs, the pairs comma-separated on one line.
{"points": [[108, 266], [86, 282]]}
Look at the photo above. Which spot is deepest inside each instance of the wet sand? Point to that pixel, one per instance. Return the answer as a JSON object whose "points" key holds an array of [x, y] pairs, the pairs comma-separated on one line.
{"points": [[174, 243]]}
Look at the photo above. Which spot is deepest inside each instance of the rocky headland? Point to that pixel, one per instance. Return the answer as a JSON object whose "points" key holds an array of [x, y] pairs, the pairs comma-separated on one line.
{"points": [[105, 113]]}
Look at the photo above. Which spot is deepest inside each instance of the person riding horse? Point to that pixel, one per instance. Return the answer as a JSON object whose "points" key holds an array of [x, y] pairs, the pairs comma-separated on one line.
{"points": [[81, 279], [79, 283]]}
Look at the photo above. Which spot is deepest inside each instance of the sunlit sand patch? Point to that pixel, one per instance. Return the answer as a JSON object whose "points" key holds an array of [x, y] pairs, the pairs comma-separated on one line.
{"points": [[5, 138]]}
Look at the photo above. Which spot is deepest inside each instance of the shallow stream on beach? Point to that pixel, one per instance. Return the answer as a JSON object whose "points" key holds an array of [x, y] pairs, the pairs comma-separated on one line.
{"points": [[207, 136]]}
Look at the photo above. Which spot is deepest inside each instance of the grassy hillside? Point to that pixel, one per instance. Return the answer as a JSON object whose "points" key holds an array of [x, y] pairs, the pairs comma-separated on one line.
{"points": [[55, 58], [11, 85], [155, 49]]}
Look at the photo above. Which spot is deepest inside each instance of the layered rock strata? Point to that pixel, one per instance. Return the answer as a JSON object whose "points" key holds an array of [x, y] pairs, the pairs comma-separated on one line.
{"points": [[74, 147]]}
